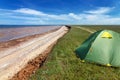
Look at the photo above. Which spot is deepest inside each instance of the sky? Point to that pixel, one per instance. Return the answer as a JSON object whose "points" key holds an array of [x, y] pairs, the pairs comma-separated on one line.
{"points": [[46, 12]]}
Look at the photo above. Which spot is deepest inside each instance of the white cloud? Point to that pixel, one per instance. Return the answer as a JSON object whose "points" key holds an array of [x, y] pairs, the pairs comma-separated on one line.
{"points": [[31, 16], [101, 10], [74, 16], [30, 11], [41, 14], [25, 18], [35, 22]]}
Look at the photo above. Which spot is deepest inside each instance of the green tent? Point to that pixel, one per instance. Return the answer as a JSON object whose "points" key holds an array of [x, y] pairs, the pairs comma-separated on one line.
{"points": [[101, 47]]}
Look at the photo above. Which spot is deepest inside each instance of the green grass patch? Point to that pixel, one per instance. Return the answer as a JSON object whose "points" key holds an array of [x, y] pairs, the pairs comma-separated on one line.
{"points": [[62, 64]]}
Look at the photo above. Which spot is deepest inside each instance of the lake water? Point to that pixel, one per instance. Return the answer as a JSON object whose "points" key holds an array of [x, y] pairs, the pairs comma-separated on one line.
{"points": [[13, 32]]}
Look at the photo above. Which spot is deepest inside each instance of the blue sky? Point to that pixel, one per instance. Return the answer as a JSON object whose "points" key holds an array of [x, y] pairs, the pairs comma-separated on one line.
{"points": [[40, 12]]}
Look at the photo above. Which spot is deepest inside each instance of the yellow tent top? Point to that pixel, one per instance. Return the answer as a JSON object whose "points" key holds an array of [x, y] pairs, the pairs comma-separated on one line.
{"points": [[106, 35]]}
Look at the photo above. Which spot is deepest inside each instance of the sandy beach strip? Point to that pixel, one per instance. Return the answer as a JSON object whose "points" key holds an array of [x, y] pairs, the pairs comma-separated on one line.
{"points": [[19, 52]]}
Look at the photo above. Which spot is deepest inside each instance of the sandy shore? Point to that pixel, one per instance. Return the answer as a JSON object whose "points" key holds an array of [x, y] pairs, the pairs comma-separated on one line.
{"points": [[15, 54], [33, 65]]}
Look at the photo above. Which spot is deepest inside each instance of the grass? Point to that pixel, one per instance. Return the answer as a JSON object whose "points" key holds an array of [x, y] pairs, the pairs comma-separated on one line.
{"points": [[62, 64], [99, 27]]}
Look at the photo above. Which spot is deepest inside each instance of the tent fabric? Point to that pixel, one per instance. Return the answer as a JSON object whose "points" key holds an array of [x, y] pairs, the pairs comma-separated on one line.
{"points": [[101, 47], [84, 48]]}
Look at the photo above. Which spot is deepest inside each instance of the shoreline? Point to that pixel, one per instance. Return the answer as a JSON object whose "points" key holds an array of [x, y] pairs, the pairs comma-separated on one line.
{"points": [[7, 34], [15, 57], [17, 42]]}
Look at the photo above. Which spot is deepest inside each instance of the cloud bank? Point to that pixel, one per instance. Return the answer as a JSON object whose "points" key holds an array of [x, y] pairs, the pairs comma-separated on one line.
{"points": [[31, 16]]}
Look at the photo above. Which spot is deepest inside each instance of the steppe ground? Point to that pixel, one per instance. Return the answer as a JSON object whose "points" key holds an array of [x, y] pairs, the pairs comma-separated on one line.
{"points": [[62, 64]]}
